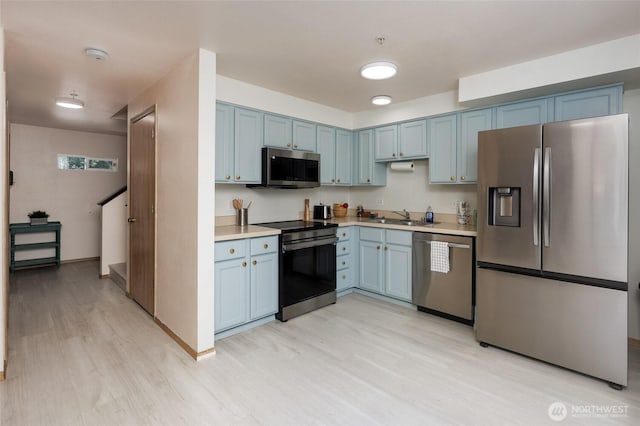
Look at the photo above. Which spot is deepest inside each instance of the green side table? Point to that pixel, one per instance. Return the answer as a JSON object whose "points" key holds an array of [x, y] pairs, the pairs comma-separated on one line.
{"points": [[27, 228]]}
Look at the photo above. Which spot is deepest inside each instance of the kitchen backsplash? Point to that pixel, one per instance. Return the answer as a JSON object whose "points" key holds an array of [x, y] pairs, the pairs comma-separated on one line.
{"points": [[404, 190]]}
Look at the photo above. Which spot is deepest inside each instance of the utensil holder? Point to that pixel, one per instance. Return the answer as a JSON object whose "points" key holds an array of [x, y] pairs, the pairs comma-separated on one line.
{"points": [[242, 217]]}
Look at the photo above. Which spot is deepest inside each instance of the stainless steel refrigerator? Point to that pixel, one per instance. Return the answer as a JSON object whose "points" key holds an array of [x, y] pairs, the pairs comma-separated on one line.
{"points": [[551, 253]]}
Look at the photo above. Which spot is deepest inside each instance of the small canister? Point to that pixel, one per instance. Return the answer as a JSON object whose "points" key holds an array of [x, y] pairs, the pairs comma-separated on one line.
{"points": [[242, 217]]}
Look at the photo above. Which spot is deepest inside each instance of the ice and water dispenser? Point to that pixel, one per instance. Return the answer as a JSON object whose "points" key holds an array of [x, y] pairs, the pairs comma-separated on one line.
{"points": [[504, 206]]}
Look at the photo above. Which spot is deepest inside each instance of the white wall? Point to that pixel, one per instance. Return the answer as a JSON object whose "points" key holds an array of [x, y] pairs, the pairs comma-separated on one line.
{"points": [[4, 267], [411, 191], [631, 105], [69, 196], [113, 233], [185, 137], [597, 60], [249, 95]]}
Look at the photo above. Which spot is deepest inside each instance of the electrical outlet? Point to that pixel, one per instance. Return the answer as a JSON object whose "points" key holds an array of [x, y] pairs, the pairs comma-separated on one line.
{"points": [[379, 202]]}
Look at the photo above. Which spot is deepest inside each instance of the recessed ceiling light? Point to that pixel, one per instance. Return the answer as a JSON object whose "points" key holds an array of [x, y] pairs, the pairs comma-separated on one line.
{"points": [[97, 54], [71, 102], [378, 70], [381, 100]]}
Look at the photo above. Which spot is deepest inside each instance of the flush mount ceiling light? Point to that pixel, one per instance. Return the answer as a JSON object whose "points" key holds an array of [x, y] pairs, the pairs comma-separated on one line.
{"points": [[71, 102], [378, 70], [381, 100], [97, 54]]}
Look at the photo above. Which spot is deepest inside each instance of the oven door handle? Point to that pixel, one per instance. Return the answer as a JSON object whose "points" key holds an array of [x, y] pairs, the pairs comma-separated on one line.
{"points": [[308, 244]]}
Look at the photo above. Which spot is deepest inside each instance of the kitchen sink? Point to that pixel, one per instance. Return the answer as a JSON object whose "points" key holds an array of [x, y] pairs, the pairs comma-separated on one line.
{"points": [[401, 222]]}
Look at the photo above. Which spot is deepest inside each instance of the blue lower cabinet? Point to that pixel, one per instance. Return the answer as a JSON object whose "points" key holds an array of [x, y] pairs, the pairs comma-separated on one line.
{"points": [[231, 293], [385, 262], [344, 259], [246, 281]]}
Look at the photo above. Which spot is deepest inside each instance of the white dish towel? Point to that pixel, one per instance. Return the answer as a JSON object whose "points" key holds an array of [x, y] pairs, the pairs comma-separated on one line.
{"points": [[440, 256]]}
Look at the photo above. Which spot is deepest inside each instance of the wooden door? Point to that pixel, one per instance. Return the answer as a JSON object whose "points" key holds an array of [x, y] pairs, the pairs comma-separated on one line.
{"points": [[142, 190]]}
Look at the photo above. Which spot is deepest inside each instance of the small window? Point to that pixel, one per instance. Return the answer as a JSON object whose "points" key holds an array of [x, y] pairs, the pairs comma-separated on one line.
{"points": [[102, 164], [78, 162], [71, 162]]}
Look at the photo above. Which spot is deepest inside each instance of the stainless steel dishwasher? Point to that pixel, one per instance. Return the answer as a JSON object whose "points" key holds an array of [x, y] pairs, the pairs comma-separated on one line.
{"points": [[450, 294]]}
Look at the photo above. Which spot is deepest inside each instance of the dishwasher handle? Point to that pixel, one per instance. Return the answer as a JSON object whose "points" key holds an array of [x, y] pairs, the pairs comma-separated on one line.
{"points": [[452, 245]]}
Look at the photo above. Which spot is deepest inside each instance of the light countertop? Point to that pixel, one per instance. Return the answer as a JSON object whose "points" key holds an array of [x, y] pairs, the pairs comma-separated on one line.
{"points": [[439, 228], [233, 232]]}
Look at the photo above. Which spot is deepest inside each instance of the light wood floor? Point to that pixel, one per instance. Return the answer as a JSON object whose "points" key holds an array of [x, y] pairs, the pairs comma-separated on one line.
{"points": [[82, 353]]}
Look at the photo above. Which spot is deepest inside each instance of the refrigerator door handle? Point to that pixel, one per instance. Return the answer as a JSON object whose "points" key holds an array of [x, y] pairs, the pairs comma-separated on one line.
{"points": [[536, 196], [546, 195]]}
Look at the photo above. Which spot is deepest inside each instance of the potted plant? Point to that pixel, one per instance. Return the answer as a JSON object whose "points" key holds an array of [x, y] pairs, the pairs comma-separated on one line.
{"points": [[38, 217]]}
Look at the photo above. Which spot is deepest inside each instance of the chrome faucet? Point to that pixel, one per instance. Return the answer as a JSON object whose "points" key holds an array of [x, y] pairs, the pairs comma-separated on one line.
{"points": [[404, 214]]}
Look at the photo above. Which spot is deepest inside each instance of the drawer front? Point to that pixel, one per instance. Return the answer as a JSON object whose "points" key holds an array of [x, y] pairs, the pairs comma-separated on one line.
{"points": [[345, 233], [344, 279], [234, 249], [343, 247], [399, 237], [372, 234], [264, 245], [343, 262]]}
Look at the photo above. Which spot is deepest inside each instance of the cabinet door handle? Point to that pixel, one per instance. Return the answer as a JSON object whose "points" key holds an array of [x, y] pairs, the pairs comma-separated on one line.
{"points": [[452, 178], [333, 180], [344, 249], [255, 262], [368, 180], [393, 155], [288, 145], [244, 264], [338, 180], [378, 248], [295, 146], [461, 177], [401, 154], [232, 251], [386, 248], [344, 234], [344, 277], [238, 177], [266, 246], [131, 220], [344, 263], [228, 177]]}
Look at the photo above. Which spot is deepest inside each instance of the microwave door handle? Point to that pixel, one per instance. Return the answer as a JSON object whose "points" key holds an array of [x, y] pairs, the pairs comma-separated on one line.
{"points": [[536, 196], [546, 195]]}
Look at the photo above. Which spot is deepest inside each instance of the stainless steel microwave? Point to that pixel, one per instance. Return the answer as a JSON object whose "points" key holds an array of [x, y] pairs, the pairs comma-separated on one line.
{"points": [[282, 168]]}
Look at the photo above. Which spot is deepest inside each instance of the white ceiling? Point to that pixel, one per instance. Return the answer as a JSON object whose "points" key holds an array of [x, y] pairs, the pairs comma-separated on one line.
{"points": [[312, 50]]}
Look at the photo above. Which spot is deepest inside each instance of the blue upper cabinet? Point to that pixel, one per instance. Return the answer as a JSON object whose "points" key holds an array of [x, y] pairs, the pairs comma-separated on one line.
{"points": [[335, 147], [344, 159], [442, 132], [224, 143], [471, 123], [248, 128], [538, 111], [386, 143], [304, 136], [277, 131], [412, 142], [589, 103], [368, 172], [326, 147]]}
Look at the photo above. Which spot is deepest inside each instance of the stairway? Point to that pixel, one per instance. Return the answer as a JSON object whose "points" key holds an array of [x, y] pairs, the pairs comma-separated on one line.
{"points": [[118, 274]]}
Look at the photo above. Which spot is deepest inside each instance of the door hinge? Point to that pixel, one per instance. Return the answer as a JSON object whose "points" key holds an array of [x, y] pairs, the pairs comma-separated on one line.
{"points": [[153, 209], [153, 133]]}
